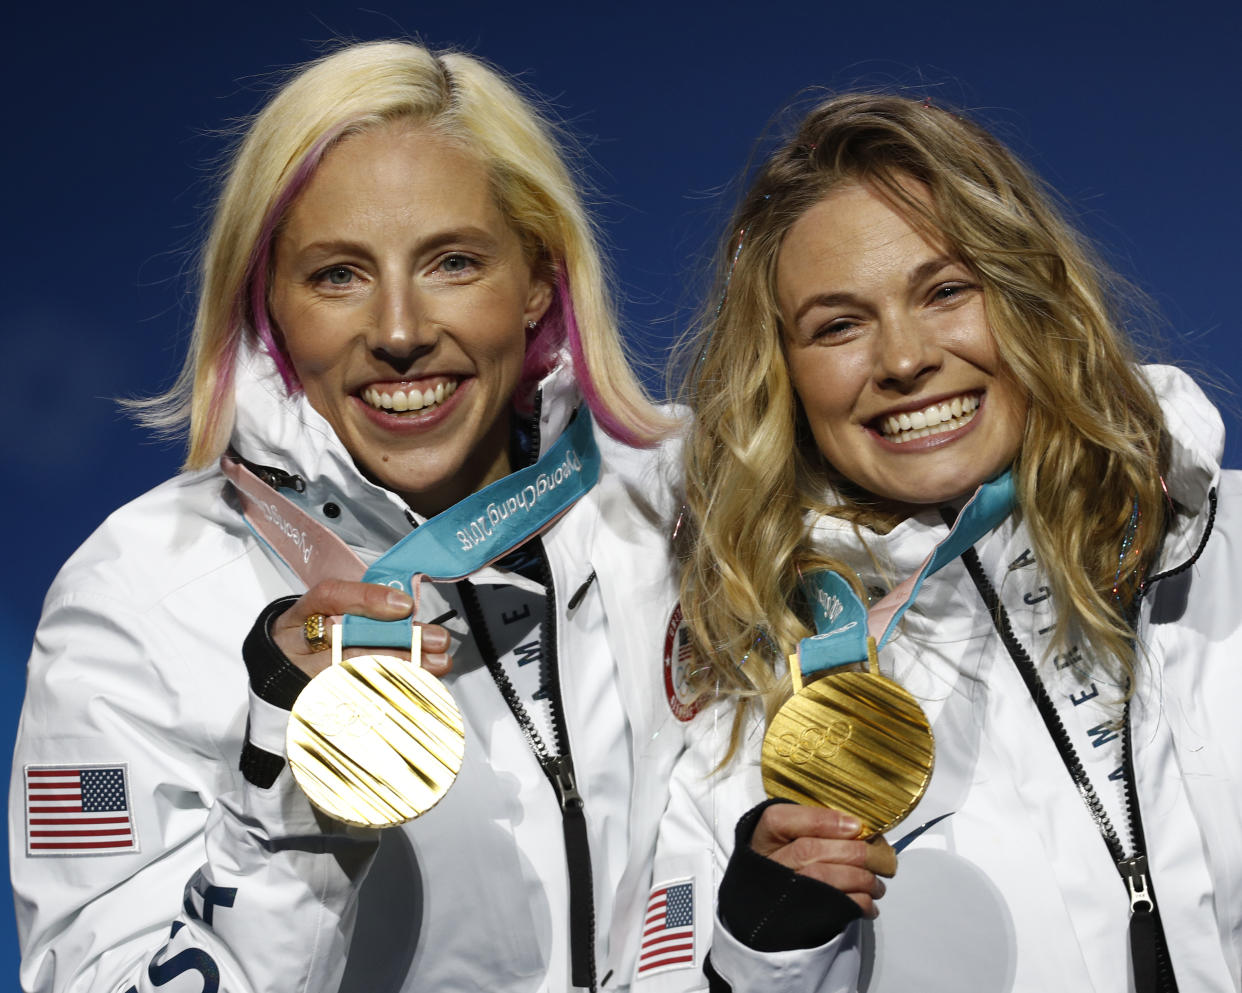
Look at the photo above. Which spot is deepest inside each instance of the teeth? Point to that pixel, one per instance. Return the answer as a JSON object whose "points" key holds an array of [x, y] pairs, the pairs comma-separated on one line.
{"points": [[934, 419], [400, 400]]}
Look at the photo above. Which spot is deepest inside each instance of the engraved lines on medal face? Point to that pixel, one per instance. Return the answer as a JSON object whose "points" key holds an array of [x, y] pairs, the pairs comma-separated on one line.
{"points": [[851, 741], [378, 743]]}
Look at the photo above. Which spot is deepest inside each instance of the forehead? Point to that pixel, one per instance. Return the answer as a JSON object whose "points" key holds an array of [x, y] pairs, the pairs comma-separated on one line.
{"points": [[396, 173], [853, 241], [854, 237]]}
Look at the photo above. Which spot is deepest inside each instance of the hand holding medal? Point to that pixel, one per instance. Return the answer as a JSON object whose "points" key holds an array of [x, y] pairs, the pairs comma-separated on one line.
{"points": [[374, 739], [332, 599]]}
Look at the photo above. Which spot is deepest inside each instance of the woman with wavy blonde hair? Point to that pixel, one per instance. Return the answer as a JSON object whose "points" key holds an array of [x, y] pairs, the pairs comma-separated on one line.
{"points": [[913, 367], [409, 413]]}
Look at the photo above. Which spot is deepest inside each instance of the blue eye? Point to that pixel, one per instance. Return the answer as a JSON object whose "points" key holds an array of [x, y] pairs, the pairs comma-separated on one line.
{"points": [[456, 263], [337, 275]]}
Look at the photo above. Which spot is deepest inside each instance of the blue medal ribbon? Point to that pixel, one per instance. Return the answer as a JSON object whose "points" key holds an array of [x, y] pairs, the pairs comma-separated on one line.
{"points": [[482, 528], [841, 619]]}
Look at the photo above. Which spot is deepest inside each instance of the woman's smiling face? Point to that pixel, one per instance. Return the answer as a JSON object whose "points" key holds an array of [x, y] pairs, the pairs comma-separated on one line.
{"points": [[402, 294], [891, 354]]}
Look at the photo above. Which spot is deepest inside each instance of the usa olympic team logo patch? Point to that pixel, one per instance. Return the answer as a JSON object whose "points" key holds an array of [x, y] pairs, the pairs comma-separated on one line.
{"points": [[678, 656]]}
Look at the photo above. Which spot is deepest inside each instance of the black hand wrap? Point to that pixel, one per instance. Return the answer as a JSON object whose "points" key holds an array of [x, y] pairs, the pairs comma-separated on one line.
{"points": [[275, 680], [771, 908]]}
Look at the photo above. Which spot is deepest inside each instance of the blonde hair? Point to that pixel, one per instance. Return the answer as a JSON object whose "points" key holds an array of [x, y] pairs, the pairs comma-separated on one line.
{"points": [[1093, 444], [365, 86]]}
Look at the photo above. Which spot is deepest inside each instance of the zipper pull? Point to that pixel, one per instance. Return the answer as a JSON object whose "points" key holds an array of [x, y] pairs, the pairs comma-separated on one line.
{"points": [[562, 770], [1143, 959], [276, 478], [1134, 872]]}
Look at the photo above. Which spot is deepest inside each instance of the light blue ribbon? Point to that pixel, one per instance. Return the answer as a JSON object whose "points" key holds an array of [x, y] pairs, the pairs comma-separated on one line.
{"points": [[841, 617], [483, 527]]}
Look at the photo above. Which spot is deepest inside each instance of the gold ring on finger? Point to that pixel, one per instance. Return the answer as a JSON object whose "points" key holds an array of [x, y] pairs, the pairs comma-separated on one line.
{"points": [[315, 629]]}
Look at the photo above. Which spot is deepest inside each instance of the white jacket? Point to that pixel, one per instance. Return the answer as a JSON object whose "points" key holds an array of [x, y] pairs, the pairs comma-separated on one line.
{"points": [[136, 676], [1014, 889]]}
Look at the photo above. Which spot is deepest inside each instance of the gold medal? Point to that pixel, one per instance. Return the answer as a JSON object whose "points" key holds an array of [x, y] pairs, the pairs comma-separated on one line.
{"points": [[853, 741], [375, 740]]}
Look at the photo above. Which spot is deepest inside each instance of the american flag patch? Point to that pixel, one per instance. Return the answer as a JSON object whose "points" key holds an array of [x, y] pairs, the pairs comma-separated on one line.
{"points": [[668, 929], [82, 810]]}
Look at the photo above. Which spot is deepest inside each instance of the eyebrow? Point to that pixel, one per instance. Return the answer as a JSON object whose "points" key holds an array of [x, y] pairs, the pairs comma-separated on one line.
{"points": [[470, 235], [917, 275]]}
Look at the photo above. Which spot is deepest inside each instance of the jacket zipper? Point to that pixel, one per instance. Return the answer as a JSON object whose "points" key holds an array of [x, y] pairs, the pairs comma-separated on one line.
{"points": [[558, 768], [1149, 955], [560, 772]]}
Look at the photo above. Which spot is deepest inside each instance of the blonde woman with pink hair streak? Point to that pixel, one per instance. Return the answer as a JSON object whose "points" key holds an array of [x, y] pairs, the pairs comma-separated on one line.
{"points": [[410, 423]]}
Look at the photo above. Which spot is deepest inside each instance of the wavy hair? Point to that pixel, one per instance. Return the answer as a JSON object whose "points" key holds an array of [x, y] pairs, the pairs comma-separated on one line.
{"points": [[362, 87], [1093, 447]]}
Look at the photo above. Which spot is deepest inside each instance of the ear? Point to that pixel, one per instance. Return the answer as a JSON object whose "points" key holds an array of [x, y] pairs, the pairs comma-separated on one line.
{"points": [[538, 300]]}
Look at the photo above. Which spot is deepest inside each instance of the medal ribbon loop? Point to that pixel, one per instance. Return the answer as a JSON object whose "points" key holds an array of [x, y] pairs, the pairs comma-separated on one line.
{"points": [[845, 627]]}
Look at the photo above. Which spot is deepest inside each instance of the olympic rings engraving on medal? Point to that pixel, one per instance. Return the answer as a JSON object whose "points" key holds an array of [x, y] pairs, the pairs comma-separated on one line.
{"points": [[344, 717], [814, 742]]}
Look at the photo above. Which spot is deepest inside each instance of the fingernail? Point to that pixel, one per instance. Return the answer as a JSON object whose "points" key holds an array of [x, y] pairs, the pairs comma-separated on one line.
{"points": [[435, 639], [435, 658], [851, 824], [399, 601]]}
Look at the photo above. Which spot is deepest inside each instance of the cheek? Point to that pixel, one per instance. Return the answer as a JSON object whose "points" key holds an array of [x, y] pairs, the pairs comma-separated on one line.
{"points": [[827, 384], [505, 346], [308, 335]]}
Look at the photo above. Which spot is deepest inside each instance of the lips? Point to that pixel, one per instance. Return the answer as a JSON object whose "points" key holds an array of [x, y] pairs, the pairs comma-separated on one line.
{"points": [[409, 396], [935, 418]]}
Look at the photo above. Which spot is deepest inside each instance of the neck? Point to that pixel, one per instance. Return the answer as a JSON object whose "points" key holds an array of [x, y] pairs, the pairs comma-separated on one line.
{"points": [[486, 463]]}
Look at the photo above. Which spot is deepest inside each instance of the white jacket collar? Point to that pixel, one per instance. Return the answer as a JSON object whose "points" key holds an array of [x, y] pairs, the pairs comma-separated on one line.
{"points": [[286, 432]]}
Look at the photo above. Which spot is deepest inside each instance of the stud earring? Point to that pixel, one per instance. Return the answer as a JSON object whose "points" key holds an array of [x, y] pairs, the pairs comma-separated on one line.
{"points": [[531, 325]]}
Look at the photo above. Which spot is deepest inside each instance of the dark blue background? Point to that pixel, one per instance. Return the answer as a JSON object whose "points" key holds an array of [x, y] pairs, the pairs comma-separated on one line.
{"points": [[1130, 109]]}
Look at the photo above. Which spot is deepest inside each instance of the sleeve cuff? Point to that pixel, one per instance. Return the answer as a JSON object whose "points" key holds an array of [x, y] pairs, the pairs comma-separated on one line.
{"points": [[273, 678], [275, 683], [733, 967]]}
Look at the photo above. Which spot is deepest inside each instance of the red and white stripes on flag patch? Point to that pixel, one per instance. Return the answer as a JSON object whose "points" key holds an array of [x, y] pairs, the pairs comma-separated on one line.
{"points": [[78, 810], [668, 928]]}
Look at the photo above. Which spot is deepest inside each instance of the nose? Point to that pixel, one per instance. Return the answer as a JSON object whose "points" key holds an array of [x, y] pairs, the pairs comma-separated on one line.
{"points": [[403, 330], [905, 354]]}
